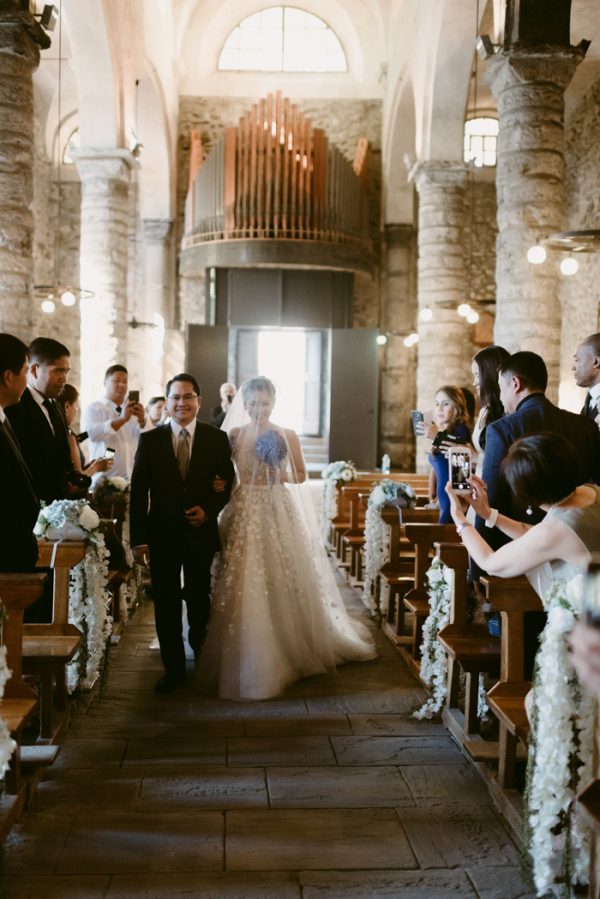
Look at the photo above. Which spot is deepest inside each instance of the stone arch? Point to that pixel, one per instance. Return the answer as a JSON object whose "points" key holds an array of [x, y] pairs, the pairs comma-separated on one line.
{"points": [[156, 174], [398, 148]]}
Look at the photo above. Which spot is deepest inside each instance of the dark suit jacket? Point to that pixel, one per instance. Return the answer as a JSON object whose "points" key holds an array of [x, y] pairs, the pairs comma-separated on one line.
{"points": [[20, 507], [47, 455], [159, 495], [534, 415]]}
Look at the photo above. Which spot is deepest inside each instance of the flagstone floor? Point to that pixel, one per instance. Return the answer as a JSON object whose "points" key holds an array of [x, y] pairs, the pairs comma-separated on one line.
{"points": [[331, 792]]}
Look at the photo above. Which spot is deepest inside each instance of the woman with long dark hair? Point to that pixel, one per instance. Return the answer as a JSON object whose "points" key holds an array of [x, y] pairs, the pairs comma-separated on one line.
{"points": [[485, 366]]}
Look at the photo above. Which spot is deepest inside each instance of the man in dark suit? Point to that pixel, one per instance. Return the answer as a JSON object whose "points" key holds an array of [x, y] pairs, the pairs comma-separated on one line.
{"points": [[586, 368], [173, 515], [523, 379], [39, 423], [20, 505]]}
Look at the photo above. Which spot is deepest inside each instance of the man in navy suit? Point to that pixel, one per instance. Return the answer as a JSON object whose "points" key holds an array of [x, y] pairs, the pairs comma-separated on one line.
{"points": [[39, 423], [586, 369], [174, 512], [20, 505], [523, 379]]}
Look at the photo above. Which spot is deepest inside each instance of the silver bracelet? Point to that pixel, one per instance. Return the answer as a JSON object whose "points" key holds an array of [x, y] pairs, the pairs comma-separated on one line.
{"points": [[491, 521]]}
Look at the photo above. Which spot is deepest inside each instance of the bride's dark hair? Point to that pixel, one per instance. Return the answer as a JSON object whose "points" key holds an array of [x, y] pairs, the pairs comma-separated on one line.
{"points": [[256, 384]]}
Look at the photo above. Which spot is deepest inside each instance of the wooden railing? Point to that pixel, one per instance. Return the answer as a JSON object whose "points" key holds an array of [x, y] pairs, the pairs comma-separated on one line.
{"points": [[275, 176]]}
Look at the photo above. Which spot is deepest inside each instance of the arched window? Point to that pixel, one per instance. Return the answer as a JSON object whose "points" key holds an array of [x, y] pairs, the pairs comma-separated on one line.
{"points": [[481, 137], [283, 39], [71, 147]]}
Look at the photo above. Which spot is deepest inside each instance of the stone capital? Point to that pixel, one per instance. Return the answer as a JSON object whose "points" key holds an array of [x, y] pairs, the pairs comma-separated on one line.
{"points": [[531, 65], [156, 230], [438, 173], [21, 38], [399, 235], [107, 165]]}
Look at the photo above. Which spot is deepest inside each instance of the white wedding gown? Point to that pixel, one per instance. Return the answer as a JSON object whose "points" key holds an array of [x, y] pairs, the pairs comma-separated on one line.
{"points": [[277, 614]]}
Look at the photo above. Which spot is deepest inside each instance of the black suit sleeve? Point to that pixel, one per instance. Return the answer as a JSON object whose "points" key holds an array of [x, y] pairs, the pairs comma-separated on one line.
{"points": [[140, 487], [217, 501], [18, 545]]}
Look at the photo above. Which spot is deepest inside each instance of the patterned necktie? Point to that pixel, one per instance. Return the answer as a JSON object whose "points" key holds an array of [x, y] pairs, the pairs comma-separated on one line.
{"points": [[183, 452]]}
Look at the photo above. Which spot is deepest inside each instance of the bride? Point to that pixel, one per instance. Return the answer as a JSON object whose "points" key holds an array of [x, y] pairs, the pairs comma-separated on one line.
{"points": [[277, 614]]}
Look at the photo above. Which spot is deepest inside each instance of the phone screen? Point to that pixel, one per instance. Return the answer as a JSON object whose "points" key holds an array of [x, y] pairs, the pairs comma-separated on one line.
{"points": [[109, 452], [134, 396], [417, 418], [460, 470]]}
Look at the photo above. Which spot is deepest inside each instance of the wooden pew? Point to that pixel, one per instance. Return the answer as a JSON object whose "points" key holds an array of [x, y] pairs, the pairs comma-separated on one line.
{"points": [[513, 597], [48, 648], [422, 536], [19, 704], [470, 648]]}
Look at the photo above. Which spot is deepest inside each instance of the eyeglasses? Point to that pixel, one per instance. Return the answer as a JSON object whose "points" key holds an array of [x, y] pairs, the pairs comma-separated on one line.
{"points": [[187, 397]]}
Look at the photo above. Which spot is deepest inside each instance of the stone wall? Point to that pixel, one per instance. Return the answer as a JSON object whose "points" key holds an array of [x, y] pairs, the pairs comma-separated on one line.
{"points": [[579, 294], [480, 250]]}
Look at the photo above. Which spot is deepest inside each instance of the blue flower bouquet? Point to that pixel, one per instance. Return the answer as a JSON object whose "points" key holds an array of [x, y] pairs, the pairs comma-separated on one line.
{"points": [[271, 448]]}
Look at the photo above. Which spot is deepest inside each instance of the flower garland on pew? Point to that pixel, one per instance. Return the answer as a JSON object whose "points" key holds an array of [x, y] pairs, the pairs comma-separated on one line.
{"points": [[560, 753], [434, 665], [332, 474], [377, 533], [109, 490], [89, 599], [7, 744]]}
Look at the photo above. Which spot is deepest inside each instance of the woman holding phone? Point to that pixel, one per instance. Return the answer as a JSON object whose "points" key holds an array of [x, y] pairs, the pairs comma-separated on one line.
{"points": [[69, 401], [450, 427]]}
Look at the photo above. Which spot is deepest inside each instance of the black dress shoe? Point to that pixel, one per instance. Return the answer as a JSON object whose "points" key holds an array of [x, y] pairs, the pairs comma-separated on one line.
{"points": [[167, 683]]}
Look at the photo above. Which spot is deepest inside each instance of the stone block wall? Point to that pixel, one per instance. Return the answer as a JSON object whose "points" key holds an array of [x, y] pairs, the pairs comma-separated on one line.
{"points": [[580, 294], [480, 231]]}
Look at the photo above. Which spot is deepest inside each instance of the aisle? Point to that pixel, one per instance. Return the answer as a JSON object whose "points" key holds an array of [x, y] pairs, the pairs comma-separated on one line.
{"points": [[332, 792]]}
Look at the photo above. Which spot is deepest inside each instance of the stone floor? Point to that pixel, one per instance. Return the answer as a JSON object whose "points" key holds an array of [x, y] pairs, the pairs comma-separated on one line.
{"points": [[331, 792]]}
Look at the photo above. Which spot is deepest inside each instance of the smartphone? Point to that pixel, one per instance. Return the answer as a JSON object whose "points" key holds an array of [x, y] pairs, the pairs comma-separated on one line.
{"points": [[591, 596], [133, 396], [109, 452], [81, 437], [417, 418], [444, 437], [459, 462]]}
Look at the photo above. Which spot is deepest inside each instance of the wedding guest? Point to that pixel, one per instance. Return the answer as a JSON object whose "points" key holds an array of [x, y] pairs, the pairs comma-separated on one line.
{"points": [[522, 380], [68, 399], [114, 422], [227, 392], [586, 369], [450, 413], [39, 423], [156, 411], [470, 405], [485, 367], [20, 505]]}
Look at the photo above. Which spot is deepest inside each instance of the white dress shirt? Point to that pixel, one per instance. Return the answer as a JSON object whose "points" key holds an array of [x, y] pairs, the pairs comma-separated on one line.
{"points": [[96, 420], [594, 392]]}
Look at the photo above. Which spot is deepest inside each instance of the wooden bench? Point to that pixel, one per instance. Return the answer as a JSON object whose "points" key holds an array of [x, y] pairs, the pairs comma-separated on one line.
{"points": [[19, 703], [513, 597], [48, 648], [469, 648], [422, 536]]}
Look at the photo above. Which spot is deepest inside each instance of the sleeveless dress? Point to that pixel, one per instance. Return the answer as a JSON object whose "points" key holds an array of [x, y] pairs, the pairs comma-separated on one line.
{"points": [[586, 525], [277, 615]]}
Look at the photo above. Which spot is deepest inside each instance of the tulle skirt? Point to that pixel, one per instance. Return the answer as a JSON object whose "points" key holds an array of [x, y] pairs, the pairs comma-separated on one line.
{"points": [[277, 615]]}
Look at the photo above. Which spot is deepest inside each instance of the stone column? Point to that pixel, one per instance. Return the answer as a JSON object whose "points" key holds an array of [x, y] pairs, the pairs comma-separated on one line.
{"points": [[445, 342], [20, 40], [152, 311], [529, 86], [104, 235], [398, 374]]}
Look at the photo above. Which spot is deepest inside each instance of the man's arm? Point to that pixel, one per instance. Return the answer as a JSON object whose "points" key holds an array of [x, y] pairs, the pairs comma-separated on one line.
{"points": [[217, 501], [140, 488]]}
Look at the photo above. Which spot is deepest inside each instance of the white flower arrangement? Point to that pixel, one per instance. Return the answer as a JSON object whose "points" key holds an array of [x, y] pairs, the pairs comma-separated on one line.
{"points": [[334, 472], [108, 487], [560, 753], [88, 595], [434, 667], [7, 744], [377, 533]]}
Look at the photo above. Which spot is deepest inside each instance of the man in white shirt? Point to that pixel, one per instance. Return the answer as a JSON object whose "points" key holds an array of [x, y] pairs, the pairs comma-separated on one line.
{"points": [[114, 422], [586, 368]]}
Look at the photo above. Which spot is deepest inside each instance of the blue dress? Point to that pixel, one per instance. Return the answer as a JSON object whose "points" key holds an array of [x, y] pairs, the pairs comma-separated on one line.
{"points": [[439, 463]]}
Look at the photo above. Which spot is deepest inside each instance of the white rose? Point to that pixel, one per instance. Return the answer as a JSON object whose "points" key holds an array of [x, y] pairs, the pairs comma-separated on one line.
{"points": [[377, 496], [119, 483], [347, 475], [88, 519], [39, 527]]}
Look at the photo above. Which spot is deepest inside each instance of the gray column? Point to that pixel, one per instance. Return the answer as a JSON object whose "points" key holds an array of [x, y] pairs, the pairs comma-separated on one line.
{"points": [[398, 370], [529, 86], [445, 341], [104, 244], [20, 41]]}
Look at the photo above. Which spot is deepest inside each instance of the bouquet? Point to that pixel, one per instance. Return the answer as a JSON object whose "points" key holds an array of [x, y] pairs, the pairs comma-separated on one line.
{"points": [[66, 519], [339, 471], [393, 493], [271, 448], [109, 488]]}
